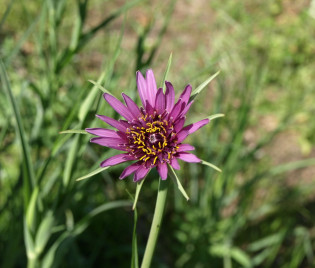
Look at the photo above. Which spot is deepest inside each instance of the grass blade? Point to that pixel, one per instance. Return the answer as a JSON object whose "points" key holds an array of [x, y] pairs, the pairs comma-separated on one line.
{"points": [[44, 232], [6, 13], [56, 252], [20, 42], [20, 128]]}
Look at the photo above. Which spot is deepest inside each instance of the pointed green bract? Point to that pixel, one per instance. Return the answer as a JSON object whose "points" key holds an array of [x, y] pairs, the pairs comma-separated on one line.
{"points": [[177, 182], [73, 131], [86, 105], [99, 170], [211, 117], [99, 86], [203, 85], [210, 165], [166, 71], [138, 189]]}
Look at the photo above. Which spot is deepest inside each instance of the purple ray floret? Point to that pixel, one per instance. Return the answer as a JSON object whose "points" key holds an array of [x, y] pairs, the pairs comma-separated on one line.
{"points": [[151, 135]]}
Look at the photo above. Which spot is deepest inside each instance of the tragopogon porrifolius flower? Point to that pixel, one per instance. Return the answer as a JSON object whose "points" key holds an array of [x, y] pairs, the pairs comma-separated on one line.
{"points": [[151, 135]]}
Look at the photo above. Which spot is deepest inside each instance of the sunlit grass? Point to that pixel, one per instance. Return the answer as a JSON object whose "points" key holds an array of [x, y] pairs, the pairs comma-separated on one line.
{"points": [[249, 215]]}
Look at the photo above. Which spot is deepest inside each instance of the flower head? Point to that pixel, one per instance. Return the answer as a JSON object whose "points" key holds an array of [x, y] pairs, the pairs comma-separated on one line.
{"points": [[151, 135]]}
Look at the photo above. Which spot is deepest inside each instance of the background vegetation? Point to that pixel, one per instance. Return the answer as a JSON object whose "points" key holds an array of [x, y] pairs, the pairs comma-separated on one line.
{"points": [[259, 212]]}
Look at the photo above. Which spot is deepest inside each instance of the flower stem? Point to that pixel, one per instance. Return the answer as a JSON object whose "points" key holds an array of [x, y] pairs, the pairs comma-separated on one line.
{"points": [[156, 223]]}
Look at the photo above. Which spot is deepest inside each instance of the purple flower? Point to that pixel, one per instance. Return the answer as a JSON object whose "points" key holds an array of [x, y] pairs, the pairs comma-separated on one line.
{"points": [[151, 135]]}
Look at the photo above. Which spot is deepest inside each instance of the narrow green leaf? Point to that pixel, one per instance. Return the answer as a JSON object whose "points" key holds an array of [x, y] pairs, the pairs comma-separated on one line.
{"points": [[99, 170], [241, 257], [99, 86], [211, 117], [210, 165], [73, 131], [29, 242], [292, 166], [266, 242], [72, 155], [31, 212], [20, 128], [139, 186], [166, 71], [44, 232], [177, 182], [203, 85]]}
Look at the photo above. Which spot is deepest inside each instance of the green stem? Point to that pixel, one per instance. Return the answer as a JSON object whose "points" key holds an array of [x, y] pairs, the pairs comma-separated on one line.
{"points": [[156, 223], [32, 263]]}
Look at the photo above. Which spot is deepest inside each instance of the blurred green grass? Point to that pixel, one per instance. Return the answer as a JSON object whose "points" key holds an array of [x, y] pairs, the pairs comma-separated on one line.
{"points": [[257, 213]]}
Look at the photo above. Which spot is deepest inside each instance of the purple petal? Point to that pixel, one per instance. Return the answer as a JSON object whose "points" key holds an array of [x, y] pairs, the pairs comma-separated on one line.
{"points": [[118, 106], [182, 135], [188, 157], [116, 159], [132, 106], [170, 96], [140, 173], [115, 143], [114, 123], [151, 86], [124, 123], [185, 147], [195, 126], [149, 109], [175, 164], [162, 169], [142, 88], [160, 101], [129, 170], [176, 109], [178, 125], [191, 129], [186, 94], [186, 109], [102, 132]]}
